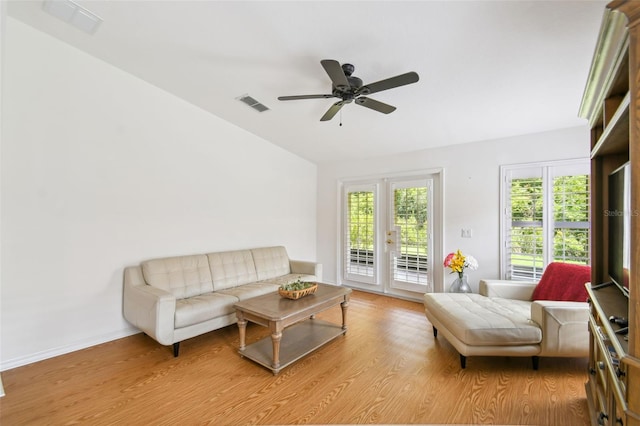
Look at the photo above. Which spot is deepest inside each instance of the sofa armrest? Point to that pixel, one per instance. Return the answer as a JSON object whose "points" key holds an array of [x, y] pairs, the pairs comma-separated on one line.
{"points": [[148, 308], [507, 289], [564, 327], [306, 268]]}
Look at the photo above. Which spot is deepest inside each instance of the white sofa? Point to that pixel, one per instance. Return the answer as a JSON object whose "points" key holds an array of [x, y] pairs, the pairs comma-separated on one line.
{"points": [[176, 298], [503, 320]]}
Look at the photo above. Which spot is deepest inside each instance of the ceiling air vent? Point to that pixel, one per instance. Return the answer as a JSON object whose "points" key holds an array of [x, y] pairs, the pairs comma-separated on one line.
{"points": [[253, 103], [74, 14]]}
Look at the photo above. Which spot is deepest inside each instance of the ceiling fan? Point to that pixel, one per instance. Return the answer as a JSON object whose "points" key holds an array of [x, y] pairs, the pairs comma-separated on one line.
{"points": [[348, 88]]}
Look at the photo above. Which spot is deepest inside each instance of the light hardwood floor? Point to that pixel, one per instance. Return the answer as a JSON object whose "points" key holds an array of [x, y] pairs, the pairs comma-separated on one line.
{"points": [[388, 368]]}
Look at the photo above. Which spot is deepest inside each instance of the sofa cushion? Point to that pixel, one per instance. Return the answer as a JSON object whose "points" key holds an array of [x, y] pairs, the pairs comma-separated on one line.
{"points": [[290, 278], [563, 282], [248, 291], [204, 307], [182, 276], [232, 268], [484, 321], [271, 262]]}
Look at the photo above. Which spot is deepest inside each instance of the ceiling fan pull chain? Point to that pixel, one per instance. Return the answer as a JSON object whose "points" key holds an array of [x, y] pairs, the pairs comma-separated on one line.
{"points": [[340, 118]]}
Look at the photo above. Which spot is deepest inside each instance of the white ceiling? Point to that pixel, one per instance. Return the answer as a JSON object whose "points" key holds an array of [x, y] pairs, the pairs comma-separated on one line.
{"points": [[488, 69]]}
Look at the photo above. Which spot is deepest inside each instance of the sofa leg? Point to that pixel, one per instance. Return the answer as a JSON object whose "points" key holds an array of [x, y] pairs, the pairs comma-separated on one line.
{"points": [[463, 361], [176, 349], [435, 332], [536, 361]]}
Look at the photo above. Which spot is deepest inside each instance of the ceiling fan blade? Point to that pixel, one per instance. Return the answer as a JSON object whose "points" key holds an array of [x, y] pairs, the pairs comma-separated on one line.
{"points": [[336, 74], [389, 83], [375, 105], [296, 97], [332, 111]]}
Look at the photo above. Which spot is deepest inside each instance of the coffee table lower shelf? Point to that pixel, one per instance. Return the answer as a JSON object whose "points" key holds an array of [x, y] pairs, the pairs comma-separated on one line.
{"points": [[297, 341]]}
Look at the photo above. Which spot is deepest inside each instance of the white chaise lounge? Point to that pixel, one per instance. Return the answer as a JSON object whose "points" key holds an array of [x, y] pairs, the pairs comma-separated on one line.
{"points": [[512, 318]]}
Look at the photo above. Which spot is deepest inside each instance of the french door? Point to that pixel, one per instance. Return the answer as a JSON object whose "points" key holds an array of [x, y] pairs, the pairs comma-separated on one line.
{"points": [[387, 234], [409, 234]]}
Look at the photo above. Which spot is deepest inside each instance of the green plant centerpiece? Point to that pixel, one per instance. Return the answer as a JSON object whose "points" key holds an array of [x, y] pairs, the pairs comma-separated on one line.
{"points": [[297, 289], [296, 285]]}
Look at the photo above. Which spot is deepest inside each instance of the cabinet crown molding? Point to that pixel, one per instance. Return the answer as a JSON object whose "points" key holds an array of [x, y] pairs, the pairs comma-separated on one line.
{"points": [[612, 45]]}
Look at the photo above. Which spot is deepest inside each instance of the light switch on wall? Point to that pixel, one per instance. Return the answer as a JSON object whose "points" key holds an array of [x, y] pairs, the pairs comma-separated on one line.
{"points": [[466, 232]]}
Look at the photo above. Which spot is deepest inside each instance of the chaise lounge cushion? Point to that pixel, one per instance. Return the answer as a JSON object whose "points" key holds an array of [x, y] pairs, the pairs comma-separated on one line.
{"points": [[563, 282], [477, 320]]}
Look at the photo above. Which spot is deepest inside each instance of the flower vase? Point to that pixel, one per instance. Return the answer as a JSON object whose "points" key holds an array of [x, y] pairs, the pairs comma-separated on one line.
{"points": [[460, 285]]}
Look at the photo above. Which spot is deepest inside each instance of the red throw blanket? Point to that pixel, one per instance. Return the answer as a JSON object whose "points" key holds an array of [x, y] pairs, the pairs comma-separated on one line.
{"points": [[563, 281]]}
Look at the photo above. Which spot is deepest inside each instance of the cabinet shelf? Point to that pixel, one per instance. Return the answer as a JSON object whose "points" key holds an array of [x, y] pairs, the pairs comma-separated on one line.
{"points": [[609, 361], [615, 137], [611, 302]]}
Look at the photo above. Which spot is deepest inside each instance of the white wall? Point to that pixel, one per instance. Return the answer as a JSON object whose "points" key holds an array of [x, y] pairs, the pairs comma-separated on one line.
{"points": [[3, 14], [101, 170], [471, 192]]}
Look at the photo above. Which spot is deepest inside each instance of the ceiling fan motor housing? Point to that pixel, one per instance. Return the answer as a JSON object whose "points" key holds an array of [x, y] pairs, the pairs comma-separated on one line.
{"points": [[355, 83], [348, 69]]}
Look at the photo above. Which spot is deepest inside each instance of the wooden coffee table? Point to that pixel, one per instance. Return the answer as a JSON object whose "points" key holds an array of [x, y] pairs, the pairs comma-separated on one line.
{"points": [[304, 333]]}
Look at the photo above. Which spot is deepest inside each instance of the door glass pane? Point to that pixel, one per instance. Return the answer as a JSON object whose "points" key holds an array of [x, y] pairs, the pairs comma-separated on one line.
{"points": [[360, 234], [411, 223]]}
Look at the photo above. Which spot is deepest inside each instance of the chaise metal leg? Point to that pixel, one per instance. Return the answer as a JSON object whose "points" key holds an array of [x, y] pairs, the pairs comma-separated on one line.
{"points": [[536, 361], [463, 361], [176, 349]]}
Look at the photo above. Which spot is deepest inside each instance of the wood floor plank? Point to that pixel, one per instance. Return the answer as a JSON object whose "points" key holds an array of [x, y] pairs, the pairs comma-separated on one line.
{"points": [[387, 369]]}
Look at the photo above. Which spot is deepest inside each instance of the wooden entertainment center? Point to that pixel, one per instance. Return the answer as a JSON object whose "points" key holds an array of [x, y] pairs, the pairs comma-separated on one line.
{"points": [[611, 103]]}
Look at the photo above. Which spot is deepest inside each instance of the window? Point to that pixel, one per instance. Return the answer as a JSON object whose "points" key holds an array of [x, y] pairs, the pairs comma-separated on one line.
{"points": [[545, 217]]}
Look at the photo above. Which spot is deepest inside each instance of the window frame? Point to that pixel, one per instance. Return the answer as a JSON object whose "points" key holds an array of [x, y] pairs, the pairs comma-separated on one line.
{"points": [[547, 170]]}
